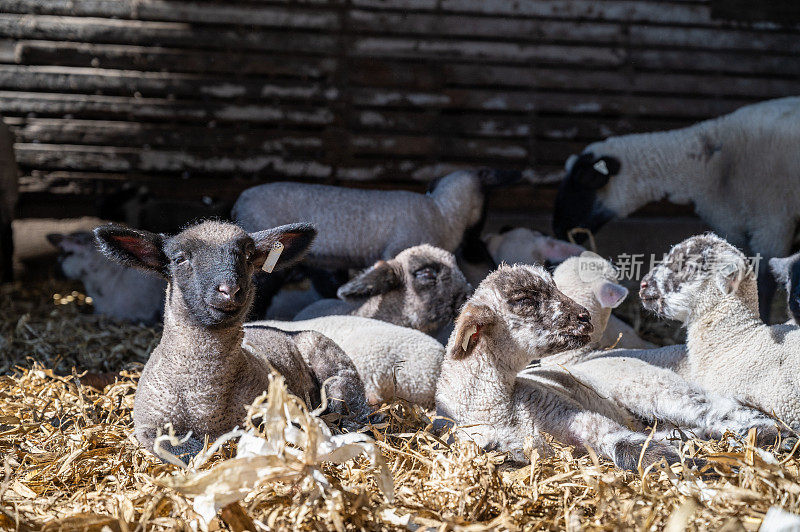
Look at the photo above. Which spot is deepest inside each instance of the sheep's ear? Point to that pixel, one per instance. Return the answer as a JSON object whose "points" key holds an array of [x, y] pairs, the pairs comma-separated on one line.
{"points": [[554, 250], [287, 244], [780, 268], [470, 325], [380, 278], [610, 295], [133, 247], [594, 172], [728, 277]]}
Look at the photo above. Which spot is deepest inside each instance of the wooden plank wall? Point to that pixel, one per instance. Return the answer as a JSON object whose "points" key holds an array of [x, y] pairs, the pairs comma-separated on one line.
{"points": [[203, 98]]}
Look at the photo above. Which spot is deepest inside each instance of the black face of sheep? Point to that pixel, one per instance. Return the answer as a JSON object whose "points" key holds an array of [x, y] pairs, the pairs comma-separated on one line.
{"points": [[576, 202], [211, 264]]}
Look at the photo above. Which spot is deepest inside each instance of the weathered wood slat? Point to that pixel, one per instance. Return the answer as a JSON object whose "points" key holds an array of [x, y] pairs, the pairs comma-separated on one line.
{"points": [[672, 13], [93, 80], [548, 30], [153, 58], [530, 102], [178, 34], [157, 109], [431, 76], [201, 12], [138, 134]]}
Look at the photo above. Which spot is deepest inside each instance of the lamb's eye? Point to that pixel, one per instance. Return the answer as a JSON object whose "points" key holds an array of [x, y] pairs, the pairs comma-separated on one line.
{"points": [[524, 300], [425, 274], [180, 258], [249, 254]]}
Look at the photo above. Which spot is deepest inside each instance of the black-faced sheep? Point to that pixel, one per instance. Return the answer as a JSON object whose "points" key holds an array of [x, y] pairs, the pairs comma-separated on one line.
{"points": [[739, 170]]}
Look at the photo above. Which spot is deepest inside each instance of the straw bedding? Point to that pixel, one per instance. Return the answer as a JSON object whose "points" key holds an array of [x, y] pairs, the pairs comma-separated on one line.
{"points": [[69, 461]]}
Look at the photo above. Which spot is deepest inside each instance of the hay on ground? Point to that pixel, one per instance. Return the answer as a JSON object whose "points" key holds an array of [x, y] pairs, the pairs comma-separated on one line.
{"points": [[69, 461]]}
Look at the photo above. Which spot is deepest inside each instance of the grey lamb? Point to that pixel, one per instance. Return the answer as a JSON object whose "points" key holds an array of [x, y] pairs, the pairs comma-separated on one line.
{"points": [[422, 288], [358, 227], [207, 368]]}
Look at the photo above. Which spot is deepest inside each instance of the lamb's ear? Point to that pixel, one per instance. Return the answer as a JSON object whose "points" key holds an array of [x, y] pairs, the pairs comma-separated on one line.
{"points": [[594, 172], [380, 278], [554, 250], [133, 247], [780, 268], [610, 295], [283, 246], [470, 325], [728, 277]]}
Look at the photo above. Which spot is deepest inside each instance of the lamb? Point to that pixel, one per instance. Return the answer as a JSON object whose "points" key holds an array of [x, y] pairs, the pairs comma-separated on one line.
{"points": [[207, 368], [709, 286], [119, 292], [521, 245], [517, 314], [651, 394], [393, 361], [9, 177], [739, 170], [358, 227], [421, 288], [787, 273]]}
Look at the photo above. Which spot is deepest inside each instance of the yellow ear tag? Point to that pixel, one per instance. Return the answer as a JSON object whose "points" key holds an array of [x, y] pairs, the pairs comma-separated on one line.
{"points": [[272, 258], [467, 337]]}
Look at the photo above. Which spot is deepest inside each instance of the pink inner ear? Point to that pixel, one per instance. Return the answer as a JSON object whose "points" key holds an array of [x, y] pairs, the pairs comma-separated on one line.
{"points": [[611, 295], [140, 248]]}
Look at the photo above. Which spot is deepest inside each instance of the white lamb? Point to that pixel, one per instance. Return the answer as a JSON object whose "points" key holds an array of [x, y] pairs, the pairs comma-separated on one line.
{"points": [[652, 394], [709, 286], [392, 361], [517, 314], [740, 171]]}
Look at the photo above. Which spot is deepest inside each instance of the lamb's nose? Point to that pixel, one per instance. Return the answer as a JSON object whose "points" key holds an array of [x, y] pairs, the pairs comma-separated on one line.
{"points": [[227, 290], [584, 317], [643, 285]]}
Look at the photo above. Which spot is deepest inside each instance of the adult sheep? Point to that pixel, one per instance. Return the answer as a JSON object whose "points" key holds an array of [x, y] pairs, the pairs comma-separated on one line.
{"points": [[740, 171]]}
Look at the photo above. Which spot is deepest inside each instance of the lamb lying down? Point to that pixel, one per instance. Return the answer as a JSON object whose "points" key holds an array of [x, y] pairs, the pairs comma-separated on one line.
{"points": [[709, 286], [653, 395], [119, 292], [393, 361], [421, 288], [515, 315], [207, 368]]}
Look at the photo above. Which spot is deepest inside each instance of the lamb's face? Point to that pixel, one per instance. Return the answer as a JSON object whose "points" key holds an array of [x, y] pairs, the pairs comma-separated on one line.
{"points": [[590, 281], [212, 266], [78, 256], [577, 202], [520, 310], [694, 276], [435, 289], [209, 266]]}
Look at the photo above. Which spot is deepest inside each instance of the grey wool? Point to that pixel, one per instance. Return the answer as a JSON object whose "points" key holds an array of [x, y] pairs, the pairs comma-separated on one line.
{"points": [[421, 288], [207, 368], [358, 227]]}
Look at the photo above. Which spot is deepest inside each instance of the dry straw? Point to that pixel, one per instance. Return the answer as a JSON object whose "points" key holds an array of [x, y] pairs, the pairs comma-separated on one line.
{"points": [[69, 461]]}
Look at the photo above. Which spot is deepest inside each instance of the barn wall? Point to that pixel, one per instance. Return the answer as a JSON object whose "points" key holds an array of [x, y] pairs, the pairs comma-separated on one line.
{"points": [[204, 98]]}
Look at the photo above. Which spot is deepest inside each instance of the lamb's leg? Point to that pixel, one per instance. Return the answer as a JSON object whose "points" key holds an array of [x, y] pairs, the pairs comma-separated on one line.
{"points": [[655, 394], [570, 424], [345, 389]]}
